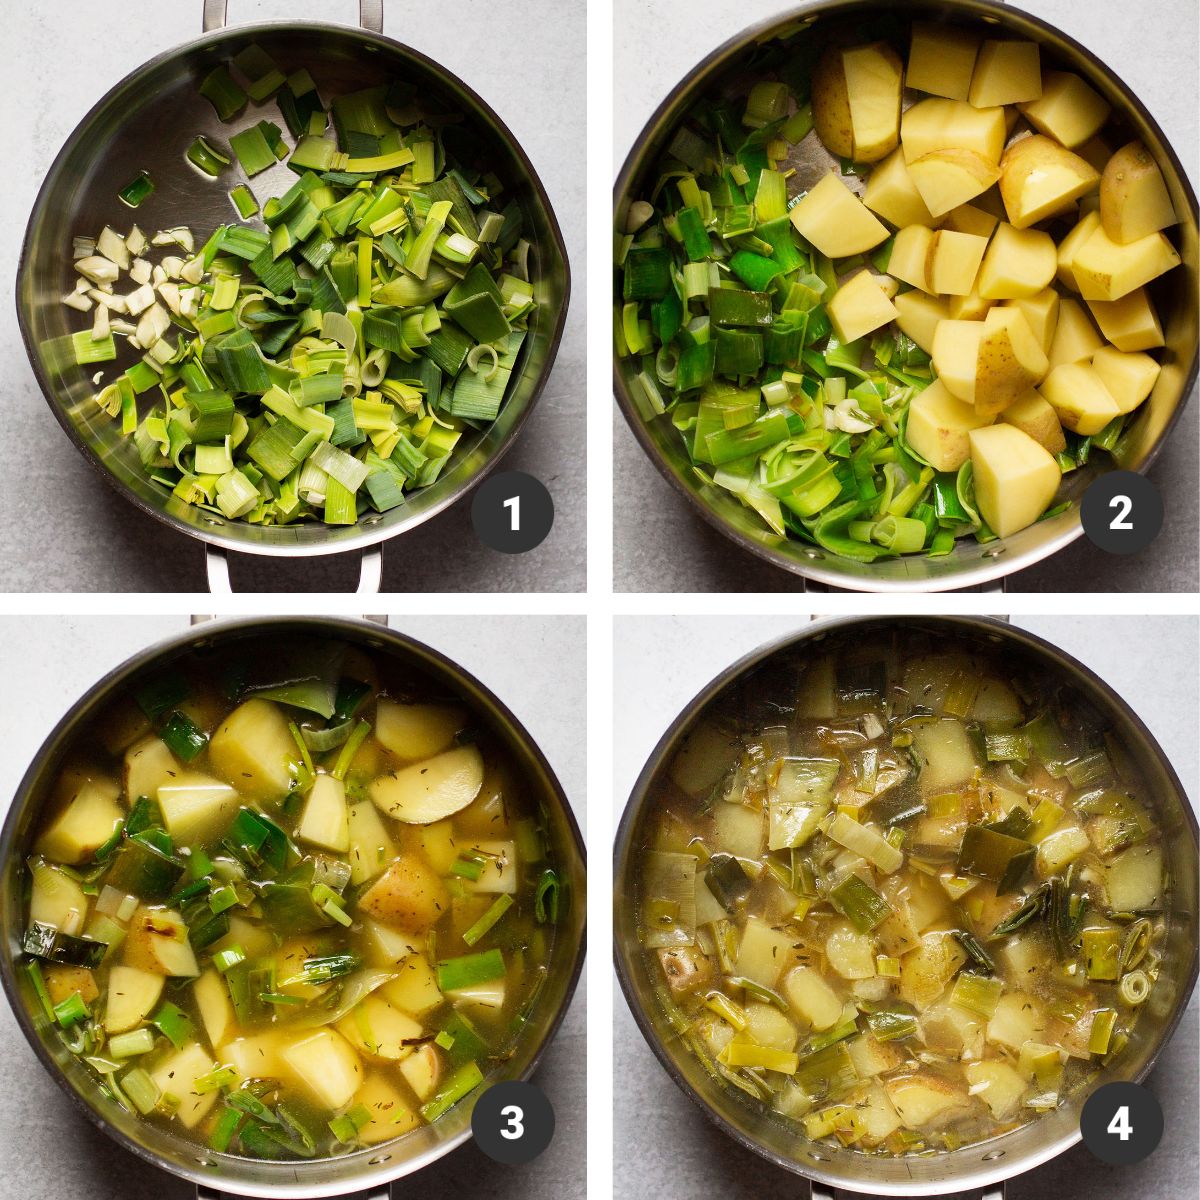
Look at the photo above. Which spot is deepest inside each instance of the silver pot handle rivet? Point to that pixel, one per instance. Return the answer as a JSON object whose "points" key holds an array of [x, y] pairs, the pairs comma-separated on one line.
{"points": [[370, 15]]}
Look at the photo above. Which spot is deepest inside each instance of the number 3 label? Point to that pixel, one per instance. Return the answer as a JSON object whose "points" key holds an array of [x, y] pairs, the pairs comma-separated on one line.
{"points": [[1120, 521], [514, 1116], [1119, 1125]]}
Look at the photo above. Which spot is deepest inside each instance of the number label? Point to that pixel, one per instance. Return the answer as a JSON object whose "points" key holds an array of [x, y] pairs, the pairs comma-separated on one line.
{"points": [[513, 503], [1125, 507], [1120, 1123], [515, 1117]]}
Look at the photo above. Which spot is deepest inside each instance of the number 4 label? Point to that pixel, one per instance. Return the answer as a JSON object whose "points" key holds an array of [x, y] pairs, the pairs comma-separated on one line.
{"points": [[1120, 1123]]}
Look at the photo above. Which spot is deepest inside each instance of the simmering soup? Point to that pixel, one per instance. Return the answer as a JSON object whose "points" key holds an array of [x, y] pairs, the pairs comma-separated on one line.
{"points": [[289, 900], [905, 891]]}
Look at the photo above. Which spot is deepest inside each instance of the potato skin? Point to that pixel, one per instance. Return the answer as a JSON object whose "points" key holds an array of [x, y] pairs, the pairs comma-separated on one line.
{"points": [[408, 895], [831, 104]]}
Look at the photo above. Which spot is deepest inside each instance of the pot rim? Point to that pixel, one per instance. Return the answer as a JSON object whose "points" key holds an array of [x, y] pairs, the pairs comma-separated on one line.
{"points": [[990, 568], [639, 797], [365, 535], [331, 625]]}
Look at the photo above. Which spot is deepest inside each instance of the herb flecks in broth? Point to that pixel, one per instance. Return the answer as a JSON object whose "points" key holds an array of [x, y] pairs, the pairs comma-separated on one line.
{"points": [[287, 903], [905, 892]]}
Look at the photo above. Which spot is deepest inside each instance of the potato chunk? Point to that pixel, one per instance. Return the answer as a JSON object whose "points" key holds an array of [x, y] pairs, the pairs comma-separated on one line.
{"points": [[1080, 398], [941, 60], [1108, 270], [1019, 262], [431, 790], [856, 100], [84, 825], [949, 178], [1039, 178], [407, 895], [1129, 323], [1006, 72], [327, 1066], [1068, 110], [932, 125], [416, 731], [1134, 201], [1041, 311], [919, 315], [1010, 360], [954, 259], [955, 356], [1033, 415], [939, 424], [196, 807], [923, 1100], [1128, 377], [391, 1115], [253, 750], [326, 820], [158, 942], [910, 256], [812, 998], [925, 971], [1015, 478], [1075, 337], [836, 221], [860, 306], [891, 193], [132, 994], [1000, 1086], [177, 1076]]}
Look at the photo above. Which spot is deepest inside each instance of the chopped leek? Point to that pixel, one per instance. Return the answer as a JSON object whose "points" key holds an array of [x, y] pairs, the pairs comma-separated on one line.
{"points": [[136, 190]]}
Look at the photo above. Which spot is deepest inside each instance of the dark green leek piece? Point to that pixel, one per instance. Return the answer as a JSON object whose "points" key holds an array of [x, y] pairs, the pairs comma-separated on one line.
{"points": [[892, 1023], [989, 854], [727, 880], [859, 903]]}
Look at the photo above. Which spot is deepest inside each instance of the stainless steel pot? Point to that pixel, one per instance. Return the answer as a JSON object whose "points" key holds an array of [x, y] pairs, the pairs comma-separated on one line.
{"points": [[365, 1169], [1175, 294], [147, 122], [983, 1167]]}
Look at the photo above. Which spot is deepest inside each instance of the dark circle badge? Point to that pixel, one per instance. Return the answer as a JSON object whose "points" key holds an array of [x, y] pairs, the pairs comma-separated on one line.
{"points": [[513, 1122], [1121, 1123], [512, 512], [1122, 512]]}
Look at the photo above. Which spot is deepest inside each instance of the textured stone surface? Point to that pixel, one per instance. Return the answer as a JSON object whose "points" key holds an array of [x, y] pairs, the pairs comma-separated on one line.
{"points": [[67, 530], [48, 1151]]}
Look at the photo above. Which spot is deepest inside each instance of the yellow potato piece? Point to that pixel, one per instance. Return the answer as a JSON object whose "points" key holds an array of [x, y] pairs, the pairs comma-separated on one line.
{"points": [[1041, 311], [1039, 178], [1010, 361], [1075, 337], [910, 256], [84, 825], [177, 1075], [971, 307], [1006, 72], [1069, 247], [1068, 110], [431, 790], [327, 1066], [391, 1114], [831, 104], [325, 822], [873, 82], [860, 306], [1128, 377], [1032, 414], [891, 193], [835, 220], [1134, 200], [1129, 323], [952, 125], [941, 60], [1108, 270], [953, 262], [968, 218], [1015, 478], [948, 178], [416, 731], [1019, 262], [918, 316], [1080, 398], [253, 750], [196, 807], [955, 354], [938, 427]]}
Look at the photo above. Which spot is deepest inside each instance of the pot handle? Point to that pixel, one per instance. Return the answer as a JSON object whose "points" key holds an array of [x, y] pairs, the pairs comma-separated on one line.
{"points": [[994, 587], [820, 1191], [382, 1192], [216, 566], [370, 15]]}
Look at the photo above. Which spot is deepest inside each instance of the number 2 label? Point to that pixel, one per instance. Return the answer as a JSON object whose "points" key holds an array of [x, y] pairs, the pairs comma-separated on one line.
{"points": [[1121, 520], [1119, 1124]]}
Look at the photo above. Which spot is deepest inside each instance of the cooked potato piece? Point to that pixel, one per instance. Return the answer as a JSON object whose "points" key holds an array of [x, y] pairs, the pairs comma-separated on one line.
{"points": [[945, 753], [431, 790], [1006, 72], [1088, 223], [216, 1011], [253, 750], [1018, 1019], [925, 971], [177, 1076], [371, 846], [1015, 478], [871, 1057], [415, 988], [1039, 178], [999, 1086], [379, 1030], [860, 306], [919, 315], [1128, 377], [326, 1064], [850, 953], [1041, 311], [910, 256], [1134, 201], [1108, 270], [1019, 263], [387, 946], [938, 425], [876, 1113], [968, 218], [254, 938], [685, 969], [954, 260], [132, 995], [893, 195], [835, 220], [741, 830], [955, 356], [1077, 393], [1068, 110], [196, 807], [422, 1069], [258, 1057], [947, 179], [812, 998], [971, 307], [923, 1099], [407, 895], [62, 982], [932, 125], [1010, 360], [417, 731], [158, 942], [707, 753], [1057, 850], [1033, 415], [84, 825], [390, 1112], [148, 765], [1129, 323], [57, 899], [763, 952], [1075, 337], [949, 1029], [1134, 879], [767, 1026], [326, 820], [941, 60]]}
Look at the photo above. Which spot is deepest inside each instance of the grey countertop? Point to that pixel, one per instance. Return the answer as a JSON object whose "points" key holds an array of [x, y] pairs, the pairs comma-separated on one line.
{"points": [[660, 544], [663, 1145], [535, 664], [67, 530]]}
